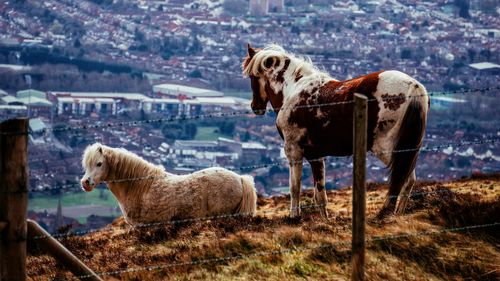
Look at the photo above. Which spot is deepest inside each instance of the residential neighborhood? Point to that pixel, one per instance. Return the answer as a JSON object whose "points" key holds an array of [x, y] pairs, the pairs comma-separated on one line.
{"points": [[163, 79]]}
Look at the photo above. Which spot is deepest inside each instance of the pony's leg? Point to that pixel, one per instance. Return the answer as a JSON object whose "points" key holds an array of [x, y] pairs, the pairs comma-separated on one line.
{"points": [[295, 156], [390, 202], [320, 198], [391, 199], [405, 193], [295, 182]]}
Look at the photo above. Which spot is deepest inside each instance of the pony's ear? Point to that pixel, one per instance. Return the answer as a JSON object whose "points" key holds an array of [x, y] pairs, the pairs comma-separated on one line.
{"points": [[251, 51], [99, 149]]}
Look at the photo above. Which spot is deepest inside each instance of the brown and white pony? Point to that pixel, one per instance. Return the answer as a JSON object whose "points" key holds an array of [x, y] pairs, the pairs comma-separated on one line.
{"points": [[296, 89], [146, 193]]}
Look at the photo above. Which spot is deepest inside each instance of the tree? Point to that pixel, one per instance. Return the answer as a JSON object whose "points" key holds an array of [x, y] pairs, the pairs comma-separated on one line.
{"points": [[227, 127], [77, 43], [138, 35], [195, 74], [463, 8], [184, 131]]}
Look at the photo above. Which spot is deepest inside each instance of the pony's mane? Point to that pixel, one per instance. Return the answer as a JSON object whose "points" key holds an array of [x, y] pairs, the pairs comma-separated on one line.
{"points": [[122, 162], [303, 64]]}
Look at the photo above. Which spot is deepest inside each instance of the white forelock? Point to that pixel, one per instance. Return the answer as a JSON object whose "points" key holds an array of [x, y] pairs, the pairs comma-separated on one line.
{"points": [[302, 63]]}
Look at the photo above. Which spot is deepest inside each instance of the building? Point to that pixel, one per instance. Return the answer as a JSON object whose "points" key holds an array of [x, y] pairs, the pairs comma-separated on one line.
{"points": [[223, 151], [258, 7], [83, 103], [36, 101], [482, 68], [184, 92]]}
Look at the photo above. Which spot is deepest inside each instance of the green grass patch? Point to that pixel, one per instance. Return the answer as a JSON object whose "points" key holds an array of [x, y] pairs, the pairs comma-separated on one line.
{"points": [[102, 197], [82, 220], [245, 95], [209, 133]]}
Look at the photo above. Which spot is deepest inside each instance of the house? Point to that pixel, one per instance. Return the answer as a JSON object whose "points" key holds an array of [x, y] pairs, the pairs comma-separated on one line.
{"points": [[36, 101]]}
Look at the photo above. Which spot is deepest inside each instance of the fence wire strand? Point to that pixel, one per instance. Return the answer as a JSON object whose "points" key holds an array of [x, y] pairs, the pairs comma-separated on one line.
{"points": [[373, 239], [226, 216], [233, 113], [285, 160]]}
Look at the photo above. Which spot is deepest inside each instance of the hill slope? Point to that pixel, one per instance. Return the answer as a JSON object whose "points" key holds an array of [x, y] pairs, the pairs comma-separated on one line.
{"points": [[274, 247]]}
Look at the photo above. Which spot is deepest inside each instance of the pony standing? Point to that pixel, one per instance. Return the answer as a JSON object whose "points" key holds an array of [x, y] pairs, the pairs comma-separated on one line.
{"points": [[146, 193], [315, 118]]}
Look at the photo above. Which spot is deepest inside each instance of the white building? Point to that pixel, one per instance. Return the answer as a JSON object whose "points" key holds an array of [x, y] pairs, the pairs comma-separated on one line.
{"points": [[175, 91]]}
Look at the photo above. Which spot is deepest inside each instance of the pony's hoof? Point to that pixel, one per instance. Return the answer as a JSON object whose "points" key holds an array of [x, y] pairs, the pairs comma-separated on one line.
{"points": [[384, 213], [324, 213], [294, 212], [293, 220]]}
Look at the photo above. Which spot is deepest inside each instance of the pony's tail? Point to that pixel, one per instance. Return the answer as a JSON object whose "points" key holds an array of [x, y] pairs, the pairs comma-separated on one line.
{"points": [[248, 203], [408, 141]]}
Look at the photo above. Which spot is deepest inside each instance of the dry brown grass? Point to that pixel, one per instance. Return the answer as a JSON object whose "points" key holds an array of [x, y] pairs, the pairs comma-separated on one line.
{"points": [[464, 255]]}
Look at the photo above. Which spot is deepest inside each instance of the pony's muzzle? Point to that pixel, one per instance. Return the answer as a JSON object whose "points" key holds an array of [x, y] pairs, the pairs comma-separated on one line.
{"points": [[87, 184], [258, 108], [257, 111]]}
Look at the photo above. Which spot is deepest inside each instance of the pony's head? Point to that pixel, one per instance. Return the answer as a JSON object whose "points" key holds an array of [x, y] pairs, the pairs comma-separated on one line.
{"points": [[274, 73], [95, 166], [266, 68]]}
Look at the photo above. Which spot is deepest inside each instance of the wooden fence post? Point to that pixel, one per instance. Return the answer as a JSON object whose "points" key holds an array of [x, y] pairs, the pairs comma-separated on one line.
{"points": [[13, 198], [358, 187], [52, 247]]}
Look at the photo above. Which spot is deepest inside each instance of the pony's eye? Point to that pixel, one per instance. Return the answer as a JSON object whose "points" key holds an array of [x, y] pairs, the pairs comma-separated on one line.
{"points": [[99, 164]]}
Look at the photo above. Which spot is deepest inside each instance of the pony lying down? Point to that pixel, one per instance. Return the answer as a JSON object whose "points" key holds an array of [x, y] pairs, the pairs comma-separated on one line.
{"points": [[146, 193]]}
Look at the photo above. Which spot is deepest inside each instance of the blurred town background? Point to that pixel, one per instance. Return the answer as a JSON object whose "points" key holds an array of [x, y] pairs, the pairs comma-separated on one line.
{"points": [[68, 63]]}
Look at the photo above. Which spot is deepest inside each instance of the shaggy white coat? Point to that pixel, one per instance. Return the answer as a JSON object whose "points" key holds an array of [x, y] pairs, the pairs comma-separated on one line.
{"points": [[147, 193]]}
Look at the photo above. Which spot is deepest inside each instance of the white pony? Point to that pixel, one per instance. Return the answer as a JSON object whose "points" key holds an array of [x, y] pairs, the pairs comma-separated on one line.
{"points": [[147, 193]]}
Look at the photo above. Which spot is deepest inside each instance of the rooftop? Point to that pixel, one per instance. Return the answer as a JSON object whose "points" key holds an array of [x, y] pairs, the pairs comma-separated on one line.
{"points": [[223, 101], [174, 89], [36, 124], [30, 93], [9, 99], [195, 143], [484, 65], [35, 101], [111, 95]]}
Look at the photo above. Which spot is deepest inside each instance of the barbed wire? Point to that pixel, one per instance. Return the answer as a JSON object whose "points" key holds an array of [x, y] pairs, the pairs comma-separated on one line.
{"points": [[172, 222], [225, 216], [233, 113], [280, 162], [372, 239], [447, 145], [273, 109]]}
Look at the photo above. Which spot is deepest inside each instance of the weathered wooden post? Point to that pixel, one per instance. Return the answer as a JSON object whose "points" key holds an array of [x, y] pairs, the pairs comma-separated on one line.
{"points": [[358, 187], [51, 246], [13, 198]]}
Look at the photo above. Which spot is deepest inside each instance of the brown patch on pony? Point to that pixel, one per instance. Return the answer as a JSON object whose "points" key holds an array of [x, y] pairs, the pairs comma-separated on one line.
{"points": [[393, 102], [281, 74], [298, 76], [383, 124], [269, 62], [258, 104], [334, 137]]}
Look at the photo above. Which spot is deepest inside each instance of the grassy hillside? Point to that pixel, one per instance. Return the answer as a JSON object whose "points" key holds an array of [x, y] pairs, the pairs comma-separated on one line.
{"points": [[274, 247]]}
